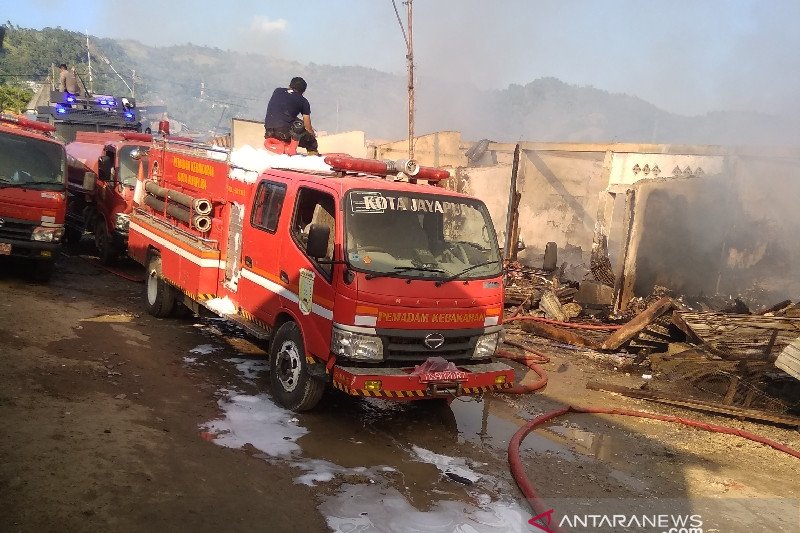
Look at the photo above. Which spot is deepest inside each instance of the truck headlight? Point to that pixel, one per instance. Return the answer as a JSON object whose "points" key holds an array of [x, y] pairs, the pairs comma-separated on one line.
{"points": [[356, 346], [122, 221], [486, 345], [44, 234]]}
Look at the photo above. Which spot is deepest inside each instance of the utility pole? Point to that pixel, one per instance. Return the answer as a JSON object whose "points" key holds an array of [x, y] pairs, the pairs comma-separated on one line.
{"points": [[89, 59], [410, 57], [133, 83]]}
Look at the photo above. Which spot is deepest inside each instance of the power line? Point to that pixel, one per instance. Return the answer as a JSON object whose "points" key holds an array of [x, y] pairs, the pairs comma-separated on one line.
{"points": [[397, 13]]}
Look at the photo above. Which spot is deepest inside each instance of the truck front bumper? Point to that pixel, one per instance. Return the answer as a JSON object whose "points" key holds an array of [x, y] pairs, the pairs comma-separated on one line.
{"points": [[42, 251], [400, 384]]}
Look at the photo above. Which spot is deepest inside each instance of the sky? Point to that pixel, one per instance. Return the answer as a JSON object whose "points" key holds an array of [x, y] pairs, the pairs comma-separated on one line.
{"points": [[685, 56]]}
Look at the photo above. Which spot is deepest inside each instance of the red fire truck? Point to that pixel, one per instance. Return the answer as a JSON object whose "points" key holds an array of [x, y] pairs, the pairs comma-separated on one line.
{"points": [[102, 172], [32, 193], [379, 287]]}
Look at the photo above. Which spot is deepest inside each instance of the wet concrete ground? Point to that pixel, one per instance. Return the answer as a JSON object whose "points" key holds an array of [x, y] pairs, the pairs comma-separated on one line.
{"points": [[114, 420]]}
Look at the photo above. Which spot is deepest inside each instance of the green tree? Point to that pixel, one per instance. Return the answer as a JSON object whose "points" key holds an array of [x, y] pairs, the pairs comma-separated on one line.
{"points": [[14, 98]]}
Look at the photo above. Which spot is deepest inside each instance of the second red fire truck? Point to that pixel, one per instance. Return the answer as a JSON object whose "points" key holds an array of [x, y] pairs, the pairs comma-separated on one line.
{"points": [[103, 168], [376, 286], [32, 193]]}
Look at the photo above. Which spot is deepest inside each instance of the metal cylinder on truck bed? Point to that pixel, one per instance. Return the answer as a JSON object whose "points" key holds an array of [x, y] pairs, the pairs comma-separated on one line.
{"points": [[177, 211], [201, 206]]}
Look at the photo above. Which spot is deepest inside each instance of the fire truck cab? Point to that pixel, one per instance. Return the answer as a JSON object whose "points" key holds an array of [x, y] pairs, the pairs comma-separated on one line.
{"points": [[102, 171], [32, 193], [378, 287]]}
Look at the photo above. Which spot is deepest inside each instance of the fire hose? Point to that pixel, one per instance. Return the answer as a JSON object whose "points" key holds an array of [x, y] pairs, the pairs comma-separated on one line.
{"points": [[515, 459]]}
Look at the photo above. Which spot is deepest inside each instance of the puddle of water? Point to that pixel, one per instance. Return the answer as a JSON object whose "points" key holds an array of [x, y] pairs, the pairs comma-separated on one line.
{"points": [[111, 318], [390, 484], [367, 508], [493, 422]]}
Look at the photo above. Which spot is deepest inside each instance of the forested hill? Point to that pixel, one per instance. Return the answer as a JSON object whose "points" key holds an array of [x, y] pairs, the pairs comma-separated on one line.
{"points": [[204, 87]]}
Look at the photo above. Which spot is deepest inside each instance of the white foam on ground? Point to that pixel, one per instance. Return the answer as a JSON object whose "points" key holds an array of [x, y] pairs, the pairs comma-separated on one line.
{"points": [[253, 161], [255, 420], [203, 349], [222, 306], [446, 464], [250, 369], [368, 508], [371, 506]]}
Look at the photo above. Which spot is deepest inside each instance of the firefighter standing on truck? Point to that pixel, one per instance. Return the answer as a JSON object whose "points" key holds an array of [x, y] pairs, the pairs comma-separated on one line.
{"points": [[66, 80], [283, 109]]}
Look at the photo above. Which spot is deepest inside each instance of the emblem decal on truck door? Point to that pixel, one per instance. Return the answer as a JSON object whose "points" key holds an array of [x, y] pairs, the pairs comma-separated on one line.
{"points": [[306, 291]]}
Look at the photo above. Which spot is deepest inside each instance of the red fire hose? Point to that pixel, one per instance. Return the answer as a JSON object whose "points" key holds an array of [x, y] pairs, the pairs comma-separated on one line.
{"points": [[515, 460], [527, 488]]}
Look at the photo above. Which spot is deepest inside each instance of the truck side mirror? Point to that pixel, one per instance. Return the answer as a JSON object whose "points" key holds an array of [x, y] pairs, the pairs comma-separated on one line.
{"points": [[104, 165], [89, 180], [317, 245]]}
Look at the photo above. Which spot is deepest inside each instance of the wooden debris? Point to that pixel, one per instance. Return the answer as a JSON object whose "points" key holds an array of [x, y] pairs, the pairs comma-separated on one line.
{"points": [[551, 305], [571, 310], [556, 333], [638, 324], [772, 309], [739, 336], [691, 403], [789, 359]]}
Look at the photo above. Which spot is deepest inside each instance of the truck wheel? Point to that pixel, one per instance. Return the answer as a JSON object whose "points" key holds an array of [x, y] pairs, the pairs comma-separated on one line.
{"points": [[292, 385], [159, 295], [72, 236], [43, 270], [104, 244]]}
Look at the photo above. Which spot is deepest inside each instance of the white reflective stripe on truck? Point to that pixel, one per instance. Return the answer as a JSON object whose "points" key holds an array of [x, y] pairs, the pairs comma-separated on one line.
{"points": [[203, 262], [271, 286]]}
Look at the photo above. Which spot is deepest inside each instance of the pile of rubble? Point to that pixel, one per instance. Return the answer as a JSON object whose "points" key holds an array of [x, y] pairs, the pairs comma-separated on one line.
{"points": [[715, 355]]}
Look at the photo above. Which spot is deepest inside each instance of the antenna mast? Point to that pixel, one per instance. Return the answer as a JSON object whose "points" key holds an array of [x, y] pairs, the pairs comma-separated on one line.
{"points": [[410, 57], [89, 58]]}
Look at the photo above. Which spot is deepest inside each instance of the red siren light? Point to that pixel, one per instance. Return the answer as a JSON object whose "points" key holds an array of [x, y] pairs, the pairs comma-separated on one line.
{"points": [[385, 168]]}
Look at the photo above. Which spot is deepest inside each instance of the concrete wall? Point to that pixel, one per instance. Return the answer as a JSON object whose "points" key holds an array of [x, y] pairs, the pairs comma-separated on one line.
{"points": [[440, 149], [705, 219], [733, 233], [351, 142], [559, 198]]}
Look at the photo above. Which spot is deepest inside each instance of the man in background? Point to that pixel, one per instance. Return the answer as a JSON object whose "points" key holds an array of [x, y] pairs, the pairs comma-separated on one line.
{"points": [[66, 80], [283, 109]]}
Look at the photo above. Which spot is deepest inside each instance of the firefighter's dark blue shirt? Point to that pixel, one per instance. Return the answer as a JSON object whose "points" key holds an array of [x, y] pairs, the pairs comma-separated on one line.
{"points": [[283, 108]]}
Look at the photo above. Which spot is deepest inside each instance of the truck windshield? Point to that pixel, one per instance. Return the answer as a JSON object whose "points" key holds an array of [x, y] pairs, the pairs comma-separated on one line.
{"points": [[414, 235], [29, 162], [128, 166]]}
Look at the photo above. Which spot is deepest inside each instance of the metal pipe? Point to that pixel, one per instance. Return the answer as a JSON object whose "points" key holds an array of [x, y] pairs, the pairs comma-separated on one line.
{"points": [[201, 223], [200, 206]]}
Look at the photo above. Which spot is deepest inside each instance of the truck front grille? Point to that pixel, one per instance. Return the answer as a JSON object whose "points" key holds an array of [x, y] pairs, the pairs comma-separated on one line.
{"points": [[409, 346], [14, 229]]}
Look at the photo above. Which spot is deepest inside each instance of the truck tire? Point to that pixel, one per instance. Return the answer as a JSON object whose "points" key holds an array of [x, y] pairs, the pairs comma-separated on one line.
{"points": [[43, 270], [158, 294], [292, 385], [102, 241], [72, 236]]}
